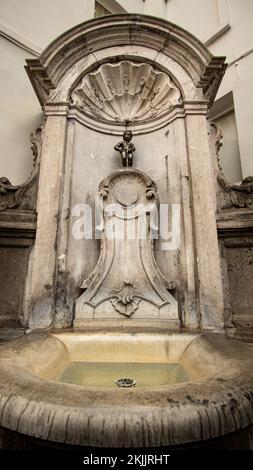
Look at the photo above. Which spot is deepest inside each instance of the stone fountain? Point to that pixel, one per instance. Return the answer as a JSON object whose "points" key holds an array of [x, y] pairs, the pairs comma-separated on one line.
{"points": [[109, 282]]}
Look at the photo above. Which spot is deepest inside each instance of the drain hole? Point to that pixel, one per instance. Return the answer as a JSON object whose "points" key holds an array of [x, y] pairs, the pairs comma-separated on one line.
{"points": [[125, 382]]}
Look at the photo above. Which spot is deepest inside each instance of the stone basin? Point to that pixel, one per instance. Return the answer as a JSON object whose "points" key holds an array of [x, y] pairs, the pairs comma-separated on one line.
{"points": [[214, 401]]}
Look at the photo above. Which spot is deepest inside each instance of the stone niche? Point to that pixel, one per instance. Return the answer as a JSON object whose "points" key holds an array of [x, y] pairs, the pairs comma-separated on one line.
{"points": [[94, 82]]}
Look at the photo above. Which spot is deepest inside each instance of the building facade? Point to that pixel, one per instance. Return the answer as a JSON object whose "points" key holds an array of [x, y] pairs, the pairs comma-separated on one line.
{"points": [[223, 25]]}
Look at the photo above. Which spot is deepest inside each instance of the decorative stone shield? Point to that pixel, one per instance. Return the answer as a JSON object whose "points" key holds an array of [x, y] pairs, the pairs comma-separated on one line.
{"points": [[127, 283]]}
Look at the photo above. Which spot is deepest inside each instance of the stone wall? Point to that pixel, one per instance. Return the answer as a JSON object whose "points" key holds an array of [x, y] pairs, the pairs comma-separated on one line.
{"points": [[171, 147], [234, 205], [17, 233], [235, 230]]}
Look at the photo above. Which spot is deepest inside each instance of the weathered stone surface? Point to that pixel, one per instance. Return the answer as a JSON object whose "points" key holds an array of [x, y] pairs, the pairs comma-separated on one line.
{"points": [[126, 280], [42, 286], [47, 72], [14, 266], [125, 289], [125, 92], [17, 232], [206, 241], [235, 231], [170, 138], [216, 402]]}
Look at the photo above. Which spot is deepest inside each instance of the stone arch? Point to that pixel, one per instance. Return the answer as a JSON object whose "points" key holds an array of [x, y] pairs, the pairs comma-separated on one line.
{"points": [[85, 43]]}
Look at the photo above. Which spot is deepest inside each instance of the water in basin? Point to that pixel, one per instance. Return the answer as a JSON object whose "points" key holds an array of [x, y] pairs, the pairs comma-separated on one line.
{"points": [[101, 374]]}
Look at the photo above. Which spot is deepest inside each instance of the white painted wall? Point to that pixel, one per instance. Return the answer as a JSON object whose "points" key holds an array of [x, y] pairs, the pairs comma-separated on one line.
{"points": [[229, 152], [36, 24], [188, 14], [205, 18], [239, 75], [20, 112], [42, 21]]}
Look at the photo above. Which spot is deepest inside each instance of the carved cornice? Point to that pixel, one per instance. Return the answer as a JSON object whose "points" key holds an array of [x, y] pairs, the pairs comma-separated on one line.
{"points": [[138, 128], [211, 78], [23, 196], [17, 227], [41, 81], [117, 128], [56, 109], [244, 321]]}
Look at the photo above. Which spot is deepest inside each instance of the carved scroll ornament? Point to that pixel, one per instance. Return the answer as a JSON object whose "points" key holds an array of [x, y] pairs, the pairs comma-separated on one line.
{"points": [[230, 195], [126, 299], [24, 195]]}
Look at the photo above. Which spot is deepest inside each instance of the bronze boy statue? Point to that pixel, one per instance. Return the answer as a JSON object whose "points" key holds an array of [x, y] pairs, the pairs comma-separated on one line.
{"points": [[126, 149]]}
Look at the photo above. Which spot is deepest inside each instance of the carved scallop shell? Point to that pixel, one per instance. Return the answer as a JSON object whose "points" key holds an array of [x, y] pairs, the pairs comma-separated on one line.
{"points": [[126, 91]]}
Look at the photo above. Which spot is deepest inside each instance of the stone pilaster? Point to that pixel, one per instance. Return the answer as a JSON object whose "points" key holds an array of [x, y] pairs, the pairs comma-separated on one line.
{"points": [[42, 279], [208, 271]]}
